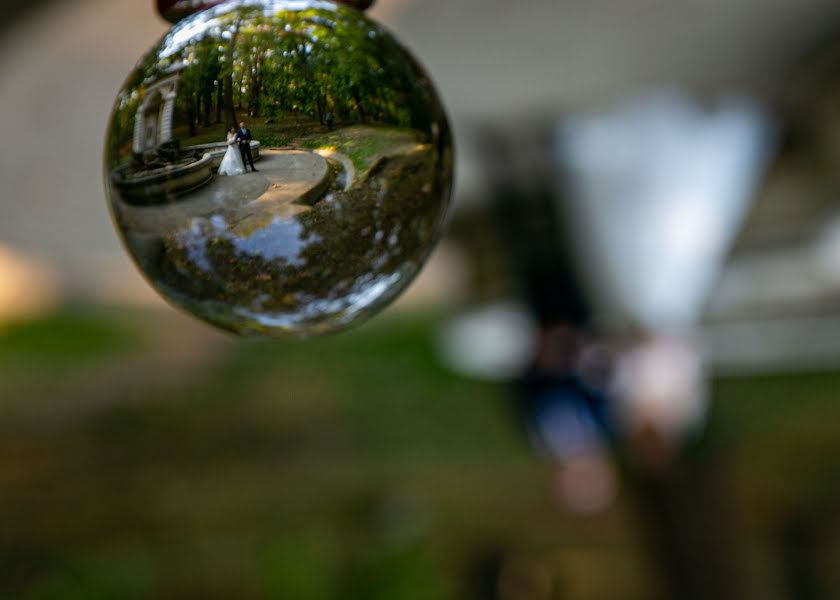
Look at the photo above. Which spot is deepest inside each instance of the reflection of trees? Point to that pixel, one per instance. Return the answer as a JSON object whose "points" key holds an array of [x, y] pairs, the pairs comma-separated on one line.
{"points": [[307, 62], [299, 64], [355, 238]]}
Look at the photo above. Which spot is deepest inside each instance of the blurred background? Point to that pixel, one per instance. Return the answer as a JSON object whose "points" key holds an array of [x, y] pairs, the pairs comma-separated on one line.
{"points": [[616, 378]]}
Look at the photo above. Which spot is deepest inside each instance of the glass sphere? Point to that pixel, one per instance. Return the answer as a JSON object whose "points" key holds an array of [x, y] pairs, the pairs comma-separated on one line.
{"points": [[279, 167]]}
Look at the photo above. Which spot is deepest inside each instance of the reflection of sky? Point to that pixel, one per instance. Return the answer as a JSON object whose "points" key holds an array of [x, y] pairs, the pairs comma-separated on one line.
{"points": [[368, 291], [659, 190], [195, 243], [280, 240]]}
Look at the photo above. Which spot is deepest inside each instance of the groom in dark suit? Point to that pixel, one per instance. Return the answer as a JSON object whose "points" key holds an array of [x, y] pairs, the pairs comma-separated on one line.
{"points": [[243, 138]]}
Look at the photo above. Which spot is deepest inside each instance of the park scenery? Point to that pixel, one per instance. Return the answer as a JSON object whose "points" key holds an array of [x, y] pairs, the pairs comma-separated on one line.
{"points": [[353, 167]]}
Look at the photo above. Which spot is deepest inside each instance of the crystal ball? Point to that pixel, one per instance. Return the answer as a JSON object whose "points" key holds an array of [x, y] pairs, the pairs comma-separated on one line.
{"points": [[279, 167]]}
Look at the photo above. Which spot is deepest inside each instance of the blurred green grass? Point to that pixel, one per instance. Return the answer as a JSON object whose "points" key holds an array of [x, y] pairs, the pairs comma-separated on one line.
{"points": [[362, 144], [351, 467], [67, 336]]}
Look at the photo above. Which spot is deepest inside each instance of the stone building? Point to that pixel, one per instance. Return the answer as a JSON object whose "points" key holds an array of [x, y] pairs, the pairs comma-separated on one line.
{"points": [[153, 125]]}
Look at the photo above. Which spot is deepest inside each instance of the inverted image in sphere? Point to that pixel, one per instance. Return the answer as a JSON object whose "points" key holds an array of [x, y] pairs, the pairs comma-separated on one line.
{"points": [[279, 167]]}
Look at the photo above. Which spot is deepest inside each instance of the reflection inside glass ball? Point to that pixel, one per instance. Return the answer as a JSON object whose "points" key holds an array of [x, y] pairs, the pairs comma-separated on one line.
{"points": [[278, 166]]}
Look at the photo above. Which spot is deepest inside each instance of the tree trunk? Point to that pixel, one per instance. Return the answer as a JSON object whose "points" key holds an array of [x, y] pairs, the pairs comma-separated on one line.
{"points": [[198, 104], [359, 108], [230, 109], [220, 89], [207, 99], [191, 114]]}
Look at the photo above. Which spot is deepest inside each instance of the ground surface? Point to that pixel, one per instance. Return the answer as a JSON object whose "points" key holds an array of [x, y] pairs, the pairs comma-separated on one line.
{"points": [[283, 179], [321, 236], [145, 456]]}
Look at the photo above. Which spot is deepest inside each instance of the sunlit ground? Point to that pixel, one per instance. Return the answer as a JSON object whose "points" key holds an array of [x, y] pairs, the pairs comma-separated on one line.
{"points": [[142, 455]]}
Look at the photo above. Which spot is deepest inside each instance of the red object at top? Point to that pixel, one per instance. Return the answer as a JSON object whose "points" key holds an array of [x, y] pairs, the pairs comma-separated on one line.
{"points": [[175, 10]]}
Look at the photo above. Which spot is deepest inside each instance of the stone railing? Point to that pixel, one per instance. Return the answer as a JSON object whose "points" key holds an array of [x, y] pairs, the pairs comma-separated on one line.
{"points": [[156, 186]]}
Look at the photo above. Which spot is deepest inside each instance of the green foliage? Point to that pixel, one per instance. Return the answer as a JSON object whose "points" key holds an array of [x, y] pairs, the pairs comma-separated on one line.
{"points": [[353, 467], [121, 573], [363, 145], [66, 337], [309, 471], [295, 66]]}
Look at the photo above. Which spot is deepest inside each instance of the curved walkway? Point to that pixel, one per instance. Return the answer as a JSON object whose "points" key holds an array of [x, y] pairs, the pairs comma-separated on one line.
{"points": [[287, 182]]}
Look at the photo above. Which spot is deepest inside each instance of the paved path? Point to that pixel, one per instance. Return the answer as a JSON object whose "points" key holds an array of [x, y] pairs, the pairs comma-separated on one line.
{"points": [[285, 184]]}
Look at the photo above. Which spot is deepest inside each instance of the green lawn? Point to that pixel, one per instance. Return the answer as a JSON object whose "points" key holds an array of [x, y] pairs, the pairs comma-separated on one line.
{"points": [[362, 144], [351, 467], [271, 133]]}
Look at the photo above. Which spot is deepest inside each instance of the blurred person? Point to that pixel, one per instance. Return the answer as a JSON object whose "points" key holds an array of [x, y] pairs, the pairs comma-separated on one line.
{"points": [[596, 398], [564, 414], [566, 420], [659, 384]]}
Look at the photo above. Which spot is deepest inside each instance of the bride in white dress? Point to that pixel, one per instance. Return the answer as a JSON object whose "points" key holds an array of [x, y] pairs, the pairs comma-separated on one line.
{"points": [[232, 162]]}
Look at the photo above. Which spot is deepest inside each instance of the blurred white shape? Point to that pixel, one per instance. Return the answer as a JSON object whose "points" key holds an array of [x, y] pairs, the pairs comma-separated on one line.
{"points": [[660, 385], [496, 342], [657, 191], [689, 229], [27, 287]]}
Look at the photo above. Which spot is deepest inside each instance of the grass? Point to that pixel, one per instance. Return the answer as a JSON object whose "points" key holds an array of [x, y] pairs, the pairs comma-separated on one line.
{"points": [[362, 144], [67, 337], [300, 470], [269, 132], [347, 467]]}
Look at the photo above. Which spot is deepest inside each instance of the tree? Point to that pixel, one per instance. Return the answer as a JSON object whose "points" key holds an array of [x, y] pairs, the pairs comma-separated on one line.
{"points": [[230, 109]]}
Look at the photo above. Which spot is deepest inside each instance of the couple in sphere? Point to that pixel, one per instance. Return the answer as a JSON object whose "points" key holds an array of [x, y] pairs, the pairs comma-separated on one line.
{"points": [[238, 152]]}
